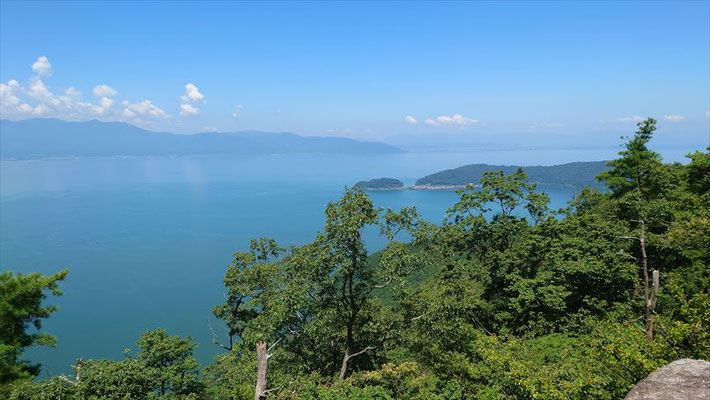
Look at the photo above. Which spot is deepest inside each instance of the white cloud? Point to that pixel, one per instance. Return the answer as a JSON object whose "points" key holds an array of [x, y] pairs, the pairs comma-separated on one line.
{"points": [[40, 92], [104, 105], [72, 93], [238, 111], [38, 99], [25, 108], [16, 100], [456, 119], [127, 113], [431, 122], [105, 91], [188, 109], [40, 109], [192, 94], [209, 128], [635, 118], [145, 108], [674, 118], [8, 94], [42, 66], [707, 113], [106, 102], [410, 120]]}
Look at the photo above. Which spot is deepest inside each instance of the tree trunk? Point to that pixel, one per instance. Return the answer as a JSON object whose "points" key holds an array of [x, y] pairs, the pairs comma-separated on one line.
{"points": [[344, 365], [262, 359], [347, 356], [646, 294]]}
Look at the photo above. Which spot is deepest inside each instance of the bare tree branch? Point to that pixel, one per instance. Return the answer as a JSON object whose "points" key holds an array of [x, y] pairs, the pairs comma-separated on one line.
{"points": [[384, 285], [214, 337], [274, 345], [366, 349]]}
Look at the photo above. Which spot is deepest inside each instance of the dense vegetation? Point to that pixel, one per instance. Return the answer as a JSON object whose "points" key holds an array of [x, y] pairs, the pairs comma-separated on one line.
{"points": [[506, 299], [380, 183], [578, 174]]}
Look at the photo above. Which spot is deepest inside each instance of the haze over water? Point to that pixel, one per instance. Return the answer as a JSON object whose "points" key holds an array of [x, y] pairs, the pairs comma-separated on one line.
{"points": [[147, 240]]}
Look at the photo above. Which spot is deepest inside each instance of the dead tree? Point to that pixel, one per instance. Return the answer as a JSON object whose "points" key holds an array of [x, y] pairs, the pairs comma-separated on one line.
{"points": [[650, 286], [262, 365], [77, 372], [651, 305], [649, 292]]}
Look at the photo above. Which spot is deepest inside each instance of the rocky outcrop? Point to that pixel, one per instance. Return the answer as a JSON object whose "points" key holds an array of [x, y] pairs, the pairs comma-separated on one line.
{"points": [[684, 379]]}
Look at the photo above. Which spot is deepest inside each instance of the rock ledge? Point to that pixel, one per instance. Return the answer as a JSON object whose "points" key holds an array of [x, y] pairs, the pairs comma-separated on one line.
{"points": [[684, 379]]}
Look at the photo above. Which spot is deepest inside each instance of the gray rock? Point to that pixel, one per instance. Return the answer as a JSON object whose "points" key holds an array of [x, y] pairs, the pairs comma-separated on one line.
{"points": [[684, 379]]}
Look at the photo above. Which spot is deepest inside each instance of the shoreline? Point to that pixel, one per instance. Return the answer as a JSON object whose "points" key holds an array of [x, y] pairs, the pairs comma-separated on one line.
{"points": [[422, 187]]}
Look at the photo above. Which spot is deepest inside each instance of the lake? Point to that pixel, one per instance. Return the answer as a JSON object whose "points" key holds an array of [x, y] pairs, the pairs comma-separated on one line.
{"points": [[147, 240]]}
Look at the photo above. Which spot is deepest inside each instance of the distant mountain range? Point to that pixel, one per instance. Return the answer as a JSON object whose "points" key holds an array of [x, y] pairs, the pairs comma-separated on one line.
{"points": [[42, 138], [576, 174]]}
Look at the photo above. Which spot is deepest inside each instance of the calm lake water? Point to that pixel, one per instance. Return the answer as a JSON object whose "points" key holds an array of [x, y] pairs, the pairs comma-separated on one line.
{"points": [[147, 240]]}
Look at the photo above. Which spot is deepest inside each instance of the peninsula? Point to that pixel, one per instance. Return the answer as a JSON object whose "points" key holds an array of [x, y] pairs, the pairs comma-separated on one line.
{"points": [[575, 174]]}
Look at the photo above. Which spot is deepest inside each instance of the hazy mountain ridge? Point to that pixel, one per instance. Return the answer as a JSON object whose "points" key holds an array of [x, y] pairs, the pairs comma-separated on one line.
{"points": [[42, 138]]}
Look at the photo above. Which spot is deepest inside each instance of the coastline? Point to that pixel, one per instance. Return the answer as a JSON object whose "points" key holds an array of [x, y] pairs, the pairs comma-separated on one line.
{"points": [[422, 187]]}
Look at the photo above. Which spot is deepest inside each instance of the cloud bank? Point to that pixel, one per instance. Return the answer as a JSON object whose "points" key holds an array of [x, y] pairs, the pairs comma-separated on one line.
{"points": [[37, 99]]}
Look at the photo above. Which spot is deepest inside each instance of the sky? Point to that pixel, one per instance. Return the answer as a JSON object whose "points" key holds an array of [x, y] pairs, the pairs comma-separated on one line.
{"points": [[504, 71]]}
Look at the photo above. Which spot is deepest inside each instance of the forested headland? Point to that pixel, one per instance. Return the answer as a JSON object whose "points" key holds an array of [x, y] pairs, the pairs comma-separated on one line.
{"points": [[505, 299], [576, 174]]}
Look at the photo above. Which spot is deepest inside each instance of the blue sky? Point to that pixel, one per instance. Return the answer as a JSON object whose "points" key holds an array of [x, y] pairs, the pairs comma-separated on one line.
{"points": [[496, 70]]}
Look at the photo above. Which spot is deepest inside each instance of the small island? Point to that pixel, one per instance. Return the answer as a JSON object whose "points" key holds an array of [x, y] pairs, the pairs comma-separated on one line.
{"points": [[381, 184]]}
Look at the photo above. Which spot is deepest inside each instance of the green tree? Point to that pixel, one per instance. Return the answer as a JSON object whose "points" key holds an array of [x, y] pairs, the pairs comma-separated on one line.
{"points": [[169, 363], [95, 379], [245, 280], [21, 315], [638, 181], [164, 368], [318, 301]]}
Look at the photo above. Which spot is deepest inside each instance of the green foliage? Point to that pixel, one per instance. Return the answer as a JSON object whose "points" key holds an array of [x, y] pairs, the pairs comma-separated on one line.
{"points": [[164, 368], [575, 174], [21, 315], [246, 279], [554, 366], [100, 379], [699, 172], [380, 183], [169, 364], [635, 170], [318, 301]]}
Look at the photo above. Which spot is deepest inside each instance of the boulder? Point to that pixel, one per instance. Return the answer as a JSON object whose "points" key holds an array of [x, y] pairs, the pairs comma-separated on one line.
{"points": [[684, 379]]}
